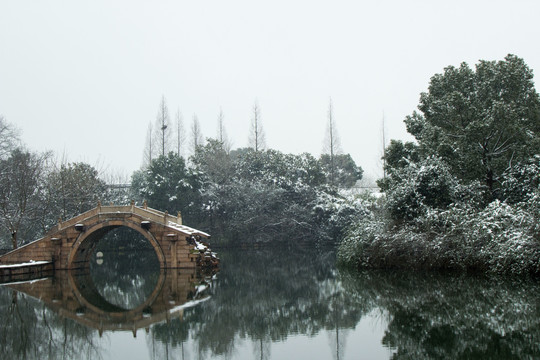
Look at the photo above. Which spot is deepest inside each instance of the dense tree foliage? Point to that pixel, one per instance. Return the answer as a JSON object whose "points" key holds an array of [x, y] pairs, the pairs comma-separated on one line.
{"points": [[397, 155], [482, 121], [340, 170], [213, 162], [467, 196], [243, 195], [168, 185], [253, 195]]}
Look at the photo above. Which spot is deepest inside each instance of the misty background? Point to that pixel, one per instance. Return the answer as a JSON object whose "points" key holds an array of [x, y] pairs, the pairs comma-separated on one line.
{"points": [[85, 79]]}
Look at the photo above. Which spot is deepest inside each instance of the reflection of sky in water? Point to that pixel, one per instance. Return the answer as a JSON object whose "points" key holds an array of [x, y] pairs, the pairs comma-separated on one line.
{"points": [[363, 342], [276, 305], [127, 291]]}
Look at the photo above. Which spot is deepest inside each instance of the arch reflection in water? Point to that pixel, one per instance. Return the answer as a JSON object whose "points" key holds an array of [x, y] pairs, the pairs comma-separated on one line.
{"points": [[123, 270], [74, 295]]}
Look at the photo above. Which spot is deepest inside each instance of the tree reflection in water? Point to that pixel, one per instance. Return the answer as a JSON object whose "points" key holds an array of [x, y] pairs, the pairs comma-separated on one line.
{"points": [[31, 331], [436, 316], [266, 298]]}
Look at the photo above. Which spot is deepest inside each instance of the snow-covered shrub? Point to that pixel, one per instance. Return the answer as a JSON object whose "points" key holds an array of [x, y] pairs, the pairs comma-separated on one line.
{"points": [[521, 181], [334, 213], [503, 238], [418, 187], [499, 238], [355, 249]]}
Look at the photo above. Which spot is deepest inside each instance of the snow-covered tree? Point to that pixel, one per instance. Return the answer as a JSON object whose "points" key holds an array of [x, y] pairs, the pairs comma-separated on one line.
{"points": [[167, 184], [479, 121], [341, 170]]}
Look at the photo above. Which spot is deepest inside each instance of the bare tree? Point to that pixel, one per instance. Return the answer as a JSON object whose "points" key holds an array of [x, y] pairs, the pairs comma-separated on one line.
{"points": [[9, 138], [222, 133], [20, 190], [180, 133], [162, 125], [197, 138], [332, 143], [383, 157], [256, 139], [76, 187], [148, 149]]}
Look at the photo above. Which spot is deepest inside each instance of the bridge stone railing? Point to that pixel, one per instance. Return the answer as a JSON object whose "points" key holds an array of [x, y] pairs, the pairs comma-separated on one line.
{"points": [[144, 211]]}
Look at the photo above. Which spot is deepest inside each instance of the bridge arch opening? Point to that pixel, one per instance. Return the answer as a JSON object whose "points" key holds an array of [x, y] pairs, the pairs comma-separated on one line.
{"points": [[85, 245], [121, 269]]}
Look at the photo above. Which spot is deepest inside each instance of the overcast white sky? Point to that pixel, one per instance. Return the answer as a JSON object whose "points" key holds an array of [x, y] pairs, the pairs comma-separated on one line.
{"points": [[85, 78]]}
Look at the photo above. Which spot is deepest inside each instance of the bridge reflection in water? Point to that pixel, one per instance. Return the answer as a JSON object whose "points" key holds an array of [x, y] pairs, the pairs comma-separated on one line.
{"points": [[73, 294]]}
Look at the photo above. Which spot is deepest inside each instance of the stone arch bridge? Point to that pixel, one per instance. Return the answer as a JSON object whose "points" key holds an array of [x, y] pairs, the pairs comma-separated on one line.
{"points": [[70, 243]]}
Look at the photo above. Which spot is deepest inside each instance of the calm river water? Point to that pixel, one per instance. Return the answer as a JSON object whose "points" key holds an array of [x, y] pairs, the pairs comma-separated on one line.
{"points": [[267, 304]]}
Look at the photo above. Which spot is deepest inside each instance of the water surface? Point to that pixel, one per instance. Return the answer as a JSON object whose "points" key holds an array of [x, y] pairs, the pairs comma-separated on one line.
{"points": [[267, 304]]}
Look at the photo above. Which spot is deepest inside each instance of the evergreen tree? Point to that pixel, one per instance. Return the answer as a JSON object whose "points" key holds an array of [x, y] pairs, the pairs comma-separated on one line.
{"points": [[479, 121], [341, 170], [168, 185]]}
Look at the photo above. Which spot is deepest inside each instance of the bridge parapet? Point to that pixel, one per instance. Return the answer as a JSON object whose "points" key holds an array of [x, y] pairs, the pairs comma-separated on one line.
{"points": [[144, 211]]}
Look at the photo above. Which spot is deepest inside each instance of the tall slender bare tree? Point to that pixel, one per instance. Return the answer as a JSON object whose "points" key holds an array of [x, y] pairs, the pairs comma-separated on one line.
{"points": [[148, 149], [180, 133], [383, 157], [222, 132], [332, 143], [197, 138], [257, 138], [9, 138], [163, 127]]}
